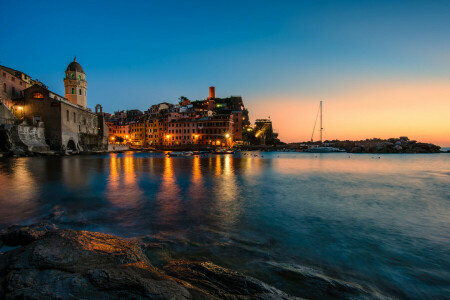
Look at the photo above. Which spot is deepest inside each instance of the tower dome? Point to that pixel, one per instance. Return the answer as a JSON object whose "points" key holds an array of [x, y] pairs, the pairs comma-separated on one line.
{"points": [[75, 84], [75, 67]]}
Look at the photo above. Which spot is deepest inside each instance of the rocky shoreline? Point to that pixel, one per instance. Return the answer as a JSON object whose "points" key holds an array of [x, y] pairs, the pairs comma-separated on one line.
{"points": [[52, 263]]}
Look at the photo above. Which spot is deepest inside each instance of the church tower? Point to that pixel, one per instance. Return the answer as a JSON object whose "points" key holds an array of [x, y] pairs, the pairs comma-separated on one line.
{"points": [[75, 84]]}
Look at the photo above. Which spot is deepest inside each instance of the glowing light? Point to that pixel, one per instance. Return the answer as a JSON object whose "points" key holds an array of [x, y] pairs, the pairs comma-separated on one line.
{"points": [[112, 138], [19, 107], [227, 135], [168, 136]]}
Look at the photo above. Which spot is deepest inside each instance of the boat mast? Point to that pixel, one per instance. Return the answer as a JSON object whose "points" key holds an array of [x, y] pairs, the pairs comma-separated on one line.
{"points": [[321, 127]]}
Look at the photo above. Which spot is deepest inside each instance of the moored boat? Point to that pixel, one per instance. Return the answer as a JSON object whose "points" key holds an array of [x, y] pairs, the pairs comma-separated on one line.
{"points": [[177, 154]]}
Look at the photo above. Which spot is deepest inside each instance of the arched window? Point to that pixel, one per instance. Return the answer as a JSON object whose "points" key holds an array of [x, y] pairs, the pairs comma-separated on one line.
{"points": [[79, 91], [79, 77], [38, 96], [73, 90], [72, 75]]}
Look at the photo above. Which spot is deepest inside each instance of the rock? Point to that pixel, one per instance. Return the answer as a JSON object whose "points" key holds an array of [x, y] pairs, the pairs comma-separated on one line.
{"points": [[24, 235], [69, 264], [222, 282]]}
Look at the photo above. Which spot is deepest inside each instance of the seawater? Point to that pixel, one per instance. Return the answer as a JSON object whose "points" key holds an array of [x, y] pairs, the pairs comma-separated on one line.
{"points": [[375, 223]]}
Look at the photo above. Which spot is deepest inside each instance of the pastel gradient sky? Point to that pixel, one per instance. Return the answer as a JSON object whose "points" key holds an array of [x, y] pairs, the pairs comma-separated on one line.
{"points": [[382, 68]]}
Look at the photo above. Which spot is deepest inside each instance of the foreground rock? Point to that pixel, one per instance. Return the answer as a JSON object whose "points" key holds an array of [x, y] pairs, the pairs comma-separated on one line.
{"points": [[67, 264]]}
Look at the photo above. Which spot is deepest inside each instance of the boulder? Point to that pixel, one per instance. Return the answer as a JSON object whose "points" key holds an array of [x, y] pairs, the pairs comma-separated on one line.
{"points": [[222, 282], [69, 264]]}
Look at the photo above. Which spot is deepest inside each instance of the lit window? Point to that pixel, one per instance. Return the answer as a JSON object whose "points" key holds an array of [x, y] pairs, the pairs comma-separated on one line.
{"points": [[38, 96]]}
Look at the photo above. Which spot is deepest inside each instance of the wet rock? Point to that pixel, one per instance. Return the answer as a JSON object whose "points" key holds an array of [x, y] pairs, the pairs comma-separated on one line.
{"points": [[223, 283], [79, 264], [316, 285], [69, 264], [23, 235]]}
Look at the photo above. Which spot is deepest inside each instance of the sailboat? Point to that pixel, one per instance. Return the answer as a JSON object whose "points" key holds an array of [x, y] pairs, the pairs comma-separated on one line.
{"points": [[316, 148]]}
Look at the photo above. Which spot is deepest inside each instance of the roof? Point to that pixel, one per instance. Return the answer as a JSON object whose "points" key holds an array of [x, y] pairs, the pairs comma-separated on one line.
{"points": [[74, 66], [12, 71]]}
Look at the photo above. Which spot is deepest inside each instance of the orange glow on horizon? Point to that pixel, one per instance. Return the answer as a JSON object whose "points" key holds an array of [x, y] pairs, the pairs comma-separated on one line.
{"points": [[417, 110]]}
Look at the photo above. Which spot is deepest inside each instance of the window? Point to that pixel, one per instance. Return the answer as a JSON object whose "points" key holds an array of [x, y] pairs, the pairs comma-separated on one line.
{"points": [[79, 77], [67, 115], [36, 120], [79, 91], [74, 117], [72, 76], [38, 96], [73, 90]]}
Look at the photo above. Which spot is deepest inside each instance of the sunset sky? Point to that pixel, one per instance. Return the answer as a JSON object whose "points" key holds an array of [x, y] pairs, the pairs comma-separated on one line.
{"points": [[382, 68]]}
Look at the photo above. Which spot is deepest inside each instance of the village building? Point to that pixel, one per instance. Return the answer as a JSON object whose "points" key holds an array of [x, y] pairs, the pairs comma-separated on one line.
{"points": [[67, 122]]}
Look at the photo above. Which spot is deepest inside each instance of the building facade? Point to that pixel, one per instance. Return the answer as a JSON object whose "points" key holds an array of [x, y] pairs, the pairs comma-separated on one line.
{"points": [[67, 122], [75, 84]]}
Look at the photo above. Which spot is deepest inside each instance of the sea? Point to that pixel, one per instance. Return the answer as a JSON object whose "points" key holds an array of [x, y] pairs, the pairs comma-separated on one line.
{"points": [[318, 226]]}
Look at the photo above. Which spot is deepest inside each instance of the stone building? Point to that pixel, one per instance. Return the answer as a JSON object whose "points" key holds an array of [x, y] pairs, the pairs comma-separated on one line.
{"points": [[75, 84], [68, 124], [215, 131], [12, 84]]}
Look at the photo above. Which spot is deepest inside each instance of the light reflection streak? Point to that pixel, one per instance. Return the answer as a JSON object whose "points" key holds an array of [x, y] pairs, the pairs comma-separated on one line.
{"points": [[123, 190], [19, 192], [227, 205], [169, 193]]}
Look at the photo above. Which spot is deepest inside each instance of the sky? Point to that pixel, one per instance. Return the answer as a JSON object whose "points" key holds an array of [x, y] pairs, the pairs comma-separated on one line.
{"points": [[381, 68]]}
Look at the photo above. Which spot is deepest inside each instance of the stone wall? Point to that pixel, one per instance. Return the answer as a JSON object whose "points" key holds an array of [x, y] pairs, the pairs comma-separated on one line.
{"points": [[6, 116], [30, 137], [112, 147]]}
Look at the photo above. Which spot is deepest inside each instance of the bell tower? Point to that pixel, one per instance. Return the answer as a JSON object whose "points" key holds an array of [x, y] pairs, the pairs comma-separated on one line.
{"points": [[75, 84]]}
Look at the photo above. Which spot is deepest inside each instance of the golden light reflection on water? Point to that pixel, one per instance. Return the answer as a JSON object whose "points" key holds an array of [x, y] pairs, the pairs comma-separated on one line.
{"points": [[168, 197], [197, 187], [122, 189], [226, 191], [18, 191]]}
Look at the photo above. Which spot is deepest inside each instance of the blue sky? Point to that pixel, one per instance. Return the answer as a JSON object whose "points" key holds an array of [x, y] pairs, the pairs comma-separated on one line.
{"points": [[137, 53]]}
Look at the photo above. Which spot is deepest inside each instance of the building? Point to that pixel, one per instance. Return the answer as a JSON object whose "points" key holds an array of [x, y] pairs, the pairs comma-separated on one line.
{"points": [[75, 84], [215, 131], [12, 84], [67, 122], [119, 133], [264, 133]]}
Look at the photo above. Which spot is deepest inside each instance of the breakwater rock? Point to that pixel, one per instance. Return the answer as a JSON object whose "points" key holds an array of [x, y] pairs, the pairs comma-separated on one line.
{"points": [[51, 263]]}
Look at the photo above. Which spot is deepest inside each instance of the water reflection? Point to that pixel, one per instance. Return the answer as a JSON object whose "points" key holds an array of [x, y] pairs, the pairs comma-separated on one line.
{"points": [[123, 190], [302, 209], [18, 192], [226, 192], [168, 198]]}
